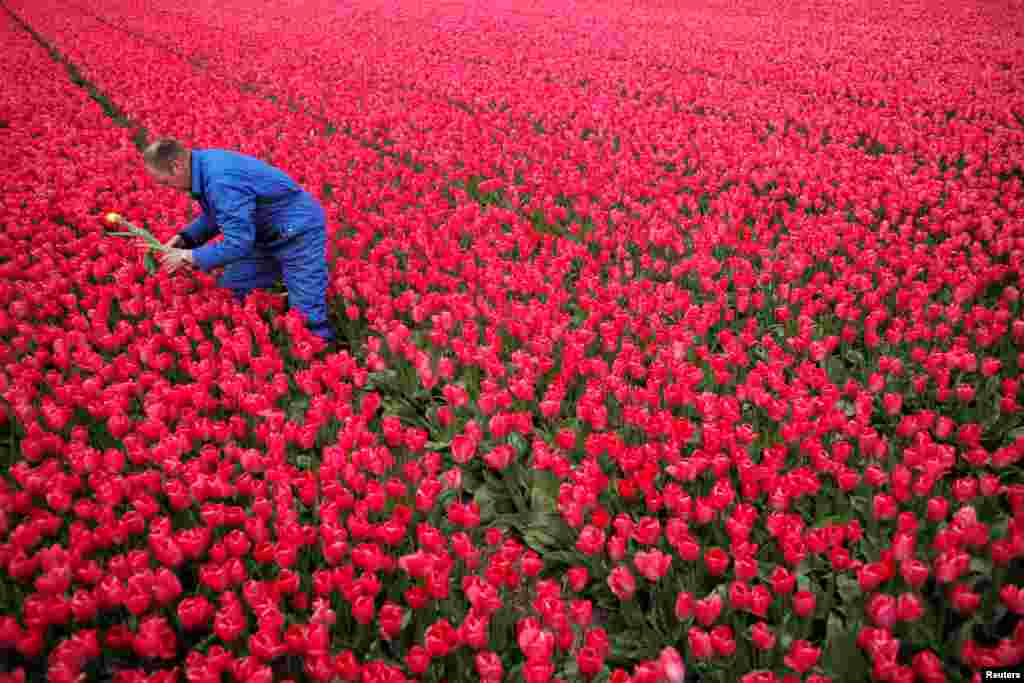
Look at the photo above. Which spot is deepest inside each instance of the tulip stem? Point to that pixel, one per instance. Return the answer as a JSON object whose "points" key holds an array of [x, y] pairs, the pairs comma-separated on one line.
{"points": [[942, 621], [630, 610], [205, 642]]}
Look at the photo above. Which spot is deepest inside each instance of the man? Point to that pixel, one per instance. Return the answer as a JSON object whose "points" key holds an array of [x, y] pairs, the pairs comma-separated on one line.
{"points": [[273, 229]]}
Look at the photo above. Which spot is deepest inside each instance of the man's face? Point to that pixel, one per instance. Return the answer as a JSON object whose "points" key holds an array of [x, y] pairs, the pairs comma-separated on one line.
{"points": [[178, 177]]}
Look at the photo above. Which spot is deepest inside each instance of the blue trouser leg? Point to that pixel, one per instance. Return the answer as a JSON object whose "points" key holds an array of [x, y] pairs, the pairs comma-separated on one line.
{"points": [[259, 271], [303, 262]]}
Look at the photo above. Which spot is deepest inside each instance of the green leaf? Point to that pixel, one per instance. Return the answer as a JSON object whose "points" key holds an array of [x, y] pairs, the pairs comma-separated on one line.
{"points": [[862, 505], [544, 492], [547, 532], [633, 645], [514, 484], [150, 263], [571, 670], [296, 409], [512, 520], [384, 378], [853, 356], [485, 499], [1014, 434], [849, 589], [843, 660], [519, 443], [444, 498], [471, 482], [831, 520], [539, 539], [570, 558]]}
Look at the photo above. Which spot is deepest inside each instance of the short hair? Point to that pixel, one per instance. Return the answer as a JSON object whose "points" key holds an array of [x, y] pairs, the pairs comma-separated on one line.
{"points": [[162, 152]]}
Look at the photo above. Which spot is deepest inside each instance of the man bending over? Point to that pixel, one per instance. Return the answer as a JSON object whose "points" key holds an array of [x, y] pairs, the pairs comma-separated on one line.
{"points": [[273, 229]]}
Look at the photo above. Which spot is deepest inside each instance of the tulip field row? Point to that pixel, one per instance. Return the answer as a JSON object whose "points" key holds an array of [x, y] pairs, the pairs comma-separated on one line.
{"points": [[685, 343]]}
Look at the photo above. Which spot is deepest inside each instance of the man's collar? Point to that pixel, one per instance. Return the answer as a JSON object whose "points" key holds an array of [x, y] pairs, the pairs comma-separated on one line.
{"points": [[197, 185]]}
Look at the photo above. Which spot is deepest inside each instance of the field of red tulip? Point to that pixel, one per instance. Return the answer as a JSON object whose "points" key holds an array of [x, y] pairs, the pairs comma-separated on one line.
{"points": [[684, 344]]}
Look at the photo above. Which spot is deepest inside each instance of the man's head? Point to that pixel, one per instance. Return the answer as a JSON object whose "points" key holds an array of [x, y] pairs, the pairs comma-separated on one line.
{"points": [[169, 163]]}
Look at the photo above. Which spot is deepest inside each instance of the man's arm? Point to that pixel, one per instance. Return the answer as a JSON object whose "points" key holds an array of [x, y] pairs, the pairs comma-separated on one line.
{"points": [[233, 211], [199, 232]]}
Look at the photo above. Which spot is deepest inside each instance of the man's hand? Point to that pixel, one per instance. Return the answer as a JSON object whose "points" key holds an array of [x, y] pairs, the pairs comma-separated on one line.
{"points": [[175, 242], [174, 259]]}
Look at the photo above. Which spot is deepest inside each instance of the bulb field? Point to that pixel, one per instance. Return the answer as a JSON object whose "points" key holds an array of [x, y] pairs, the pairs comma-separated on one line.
{"points": [[683, 341]]}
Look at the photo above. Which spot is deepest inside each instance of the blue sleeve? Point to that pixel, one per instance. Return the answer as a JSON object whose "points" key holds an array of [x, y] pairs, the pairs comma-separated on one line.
{"points": [[232, 209], [200, 231]]}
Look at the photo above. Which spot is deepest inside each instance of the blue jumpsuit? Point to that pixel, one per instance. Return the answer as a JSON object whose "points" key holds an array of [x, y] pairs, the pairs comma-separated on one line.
{"points": [[272, 229]]}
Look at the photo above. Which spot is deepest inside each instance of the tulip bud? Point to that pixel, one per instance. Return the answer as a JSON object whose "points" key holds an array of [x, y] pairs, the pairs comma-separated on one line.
{"points": [[803, 603], [670, 663]]}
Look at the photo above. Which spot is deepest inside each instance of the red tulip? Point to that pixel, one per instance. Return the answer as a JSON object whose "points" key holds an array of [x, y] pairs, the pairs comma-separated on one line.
{"points": [[578, 578], [589, 662], [914, 572], [699, 643], [684, 605], [716, 560], [474, 631], [597, 639], [759, 677], [929, 667], [488, 667], [802, 656], [390, 618], [722, 640], [622, 583], [909, 607], [760, 600], [762, 636], [708, 609], [881, 609], [803, 603], [538, 672], [590, 540], [964, 600], [155, 639], [535, 643], [652, 565], [782, 581], [417, 659]]}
